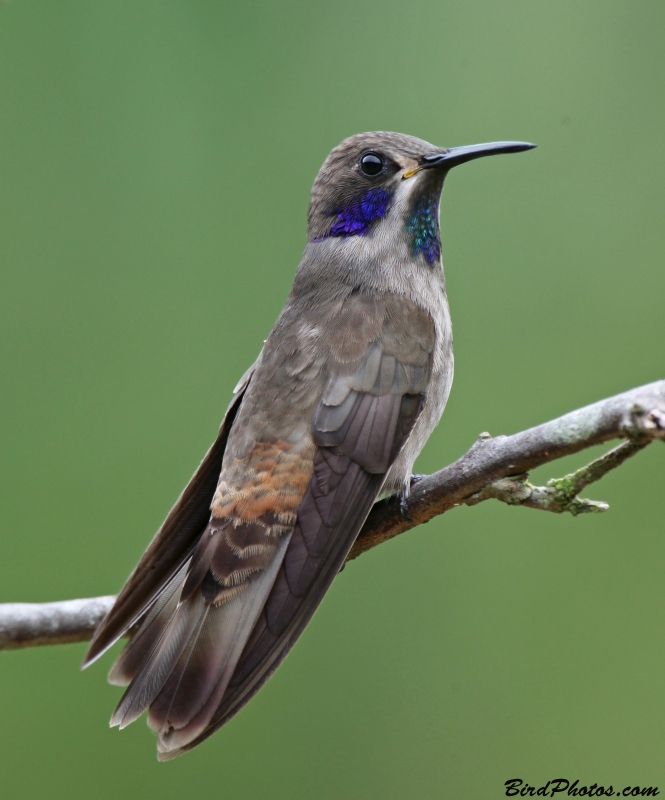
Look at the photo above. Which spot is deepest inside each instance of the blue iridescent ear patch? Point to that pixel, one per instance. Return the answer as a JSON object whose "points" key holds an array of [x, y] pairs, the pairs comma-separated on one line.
{"points": [[423, 227], [356, 218]]}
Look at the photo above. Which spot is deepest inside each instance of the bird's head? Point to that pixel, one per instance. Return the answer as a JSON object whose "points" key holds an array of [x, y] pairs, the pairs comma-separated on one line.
{"points": [[383, 185]]}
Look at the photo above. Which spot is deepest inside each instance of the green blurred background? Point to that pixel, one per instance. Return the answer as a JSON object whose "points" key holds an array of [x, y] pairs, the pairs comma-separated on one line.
{"points": [[155, 166]]}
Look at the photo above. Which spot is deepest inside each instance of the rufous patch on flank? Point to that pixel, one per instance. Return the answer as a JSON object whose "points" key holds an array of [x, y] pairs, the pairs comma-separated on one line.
{"points": [[276, 478]]}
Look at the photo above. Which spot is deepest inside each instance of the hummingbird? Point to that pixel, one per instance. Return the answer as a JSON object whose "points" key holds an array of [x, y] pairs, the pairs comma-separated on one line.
{"points": [[349, 385]]}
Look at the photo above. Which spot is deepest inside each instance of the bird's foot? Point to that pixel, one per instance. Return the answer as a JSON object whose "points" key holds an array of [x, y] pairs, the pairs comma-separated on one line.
{"points": [[403, 503], [404, 496]]}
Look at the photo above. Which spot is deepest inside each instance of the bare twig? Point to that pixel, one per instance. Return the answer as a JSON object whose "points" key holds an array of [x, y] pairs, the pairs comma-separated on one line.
{"points": [[32, 624], [493, 468]]}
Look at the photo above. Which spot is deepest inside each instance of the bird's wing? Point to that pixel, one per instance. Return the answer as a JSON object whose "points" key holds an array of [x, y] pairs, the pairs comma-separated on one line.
{"points": [[173, 544], [212, 655]]}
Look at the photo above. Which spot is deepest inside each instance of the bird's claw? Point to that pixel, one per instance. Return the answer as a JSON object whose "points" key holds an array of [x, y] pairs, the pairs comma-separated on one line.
{"points": [[403, 504], [404, 496]]}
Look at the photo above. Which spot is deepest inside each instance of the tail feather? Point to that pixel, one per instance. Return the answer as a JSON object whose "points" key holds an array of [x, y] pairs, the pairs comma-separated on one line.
{"points": [[158, 666], [191, 694], [182, 657], [142, 643], [198, 671], [170, 741], [182, 715]]}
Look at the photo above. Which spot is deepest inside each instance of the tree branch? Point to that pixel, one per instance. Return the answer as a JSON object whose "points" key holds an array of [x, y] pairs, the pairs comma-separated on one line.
{"points": [[637, 415], [33, 624], [493, 468]]}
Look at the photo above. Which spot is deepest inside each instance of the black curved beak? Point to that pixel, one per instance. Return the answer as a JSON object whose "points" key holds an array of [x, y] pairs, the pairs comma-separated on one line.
{"points": [[460, 155]]}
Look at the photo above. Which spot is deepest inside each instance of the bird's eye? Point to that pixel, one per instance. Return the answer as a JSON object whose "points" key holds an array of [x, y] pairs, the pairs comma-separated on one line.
{"points": [[371, 164]]}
